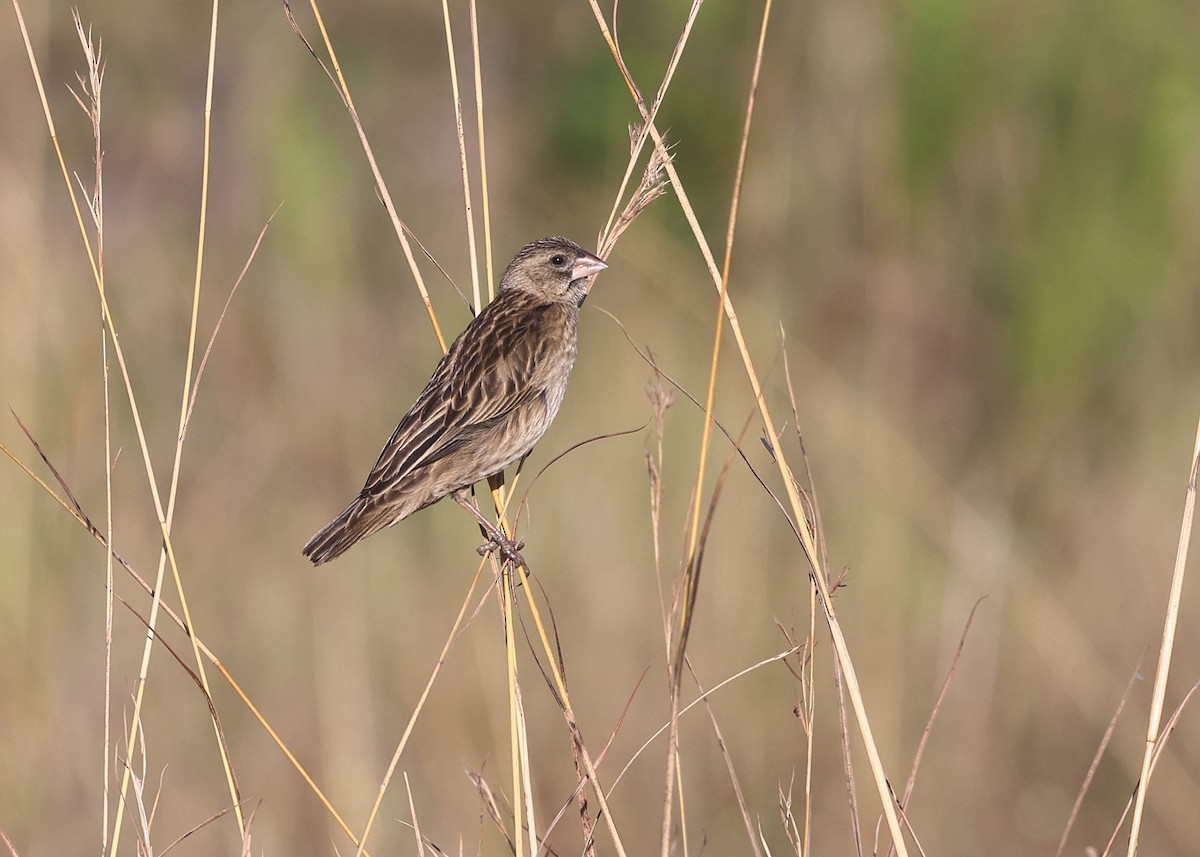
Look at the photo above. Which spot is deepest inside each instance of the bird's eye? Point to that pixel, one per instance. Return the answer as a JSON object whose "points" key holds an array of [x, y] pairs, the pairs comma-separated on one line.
{"points": [[558, 260]]}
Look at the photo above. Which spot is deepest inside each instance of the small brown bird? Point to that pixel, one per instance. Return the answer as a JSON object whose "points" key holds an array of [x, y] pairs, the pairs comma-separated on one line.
{"points": [[490, 399]]}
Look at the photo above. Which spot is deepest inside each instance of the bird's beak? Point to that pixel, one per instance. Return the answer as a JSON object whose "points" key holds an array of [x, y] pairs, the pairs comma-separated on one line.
{"points": [[586, 266]]}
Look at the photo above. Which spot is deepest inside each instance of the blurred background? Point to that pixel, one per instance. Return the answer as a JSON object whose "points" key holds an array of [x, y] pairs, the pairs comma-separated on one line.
{"points": [[973, 228]]}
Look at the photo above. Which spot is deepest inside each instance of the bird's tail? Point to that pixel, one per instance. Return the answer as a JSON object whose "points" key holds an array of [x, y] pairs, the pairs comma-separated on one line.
{"points": [[361, 518]]}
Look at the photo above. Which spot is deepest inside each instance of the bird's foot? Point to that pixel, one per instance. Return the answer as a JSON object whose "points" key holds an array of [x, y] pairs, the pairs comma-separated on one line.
{"points": [[507, 548]]}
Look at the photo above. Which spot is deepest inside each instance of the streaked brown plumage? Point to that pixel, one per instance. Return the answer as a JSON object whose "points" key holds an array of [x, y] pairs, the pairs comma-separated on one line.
{"points": [[490, 399]]}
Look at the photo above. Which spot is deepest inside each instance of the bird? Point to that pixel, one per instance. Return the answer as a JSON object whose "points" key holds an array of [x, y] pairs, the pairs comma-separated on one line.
{"points": [[488, 402]]}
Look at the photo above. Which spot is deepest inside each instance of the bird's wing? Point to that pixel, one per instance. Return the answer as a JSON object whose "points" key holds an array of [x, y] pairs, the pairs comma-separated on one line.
{"points": [[486, 375]]}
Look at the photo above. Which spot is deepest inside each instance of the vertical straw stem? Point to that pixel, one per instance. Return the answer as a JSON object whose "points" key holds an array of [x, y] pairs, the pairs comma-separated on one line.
{"points": [[1168, 645], [806, 537], [483, 173], [462, 157], [384, 194]]}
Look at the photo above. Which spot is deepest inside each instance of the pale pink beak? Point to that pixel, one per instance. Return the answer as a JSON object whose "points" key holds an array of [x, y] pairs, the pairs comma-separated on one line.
{"points": [[586, 266]]}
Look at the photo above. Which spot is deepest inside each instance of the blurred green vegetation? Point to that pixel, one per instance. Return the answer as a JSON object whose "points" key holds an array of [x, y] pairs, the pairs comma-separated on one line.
{"points": [[973, 227]]}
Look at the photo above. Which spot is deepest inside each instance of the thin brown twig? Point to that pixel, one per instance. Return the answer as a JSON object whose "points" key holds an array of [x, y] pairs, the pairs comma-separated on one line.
{"points": [[937, 707], [568, 712], [523, 503], [811, 494], [697, 701], [612, 229], [192, 674], [143, 445], [221, 320], [735, 200], [557, 669], [813, 603], [549, 675], [361, 841], [847, 762], [649, 189], [908, 826], [221, 813], [488, 798], [72, 508], [803, 657], [661, 399], [401, 229], [188, 389], [1100, 751], [816, 571], [579, 787], [683, 610], [733, 778], [691, 582], [788, 817], [1167, 730], [653, 364]]}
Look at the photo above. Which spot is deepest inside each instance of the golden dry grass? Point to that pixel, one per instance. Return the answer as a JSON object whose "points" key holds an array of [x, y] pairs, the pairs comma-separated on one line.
{"points": [[991, 362]]}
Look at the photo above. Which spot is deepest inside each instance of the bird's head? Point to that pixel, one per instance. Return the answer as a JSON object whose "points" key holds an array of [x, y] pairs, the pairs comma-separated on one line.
{"points": [[556, 270]]}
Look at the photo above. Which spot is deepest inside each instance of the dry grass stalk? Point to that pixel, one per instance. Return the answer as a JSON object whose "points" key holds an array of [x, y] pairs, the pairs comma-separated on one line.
{"points": [[360, 842], [813, 507], [12, 849], [1168, 645], [651, 187], [477, 303], [488, 799], [164, 516], [937, 707], [412, 811], [640, 139], [245, 851], [519, 740], [90, 103], [755, 844], [400, 227], [1167, 730], [659, 162], [72, 506], [808, 542], [786, 815], [1100, 750], [490, 274]]}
